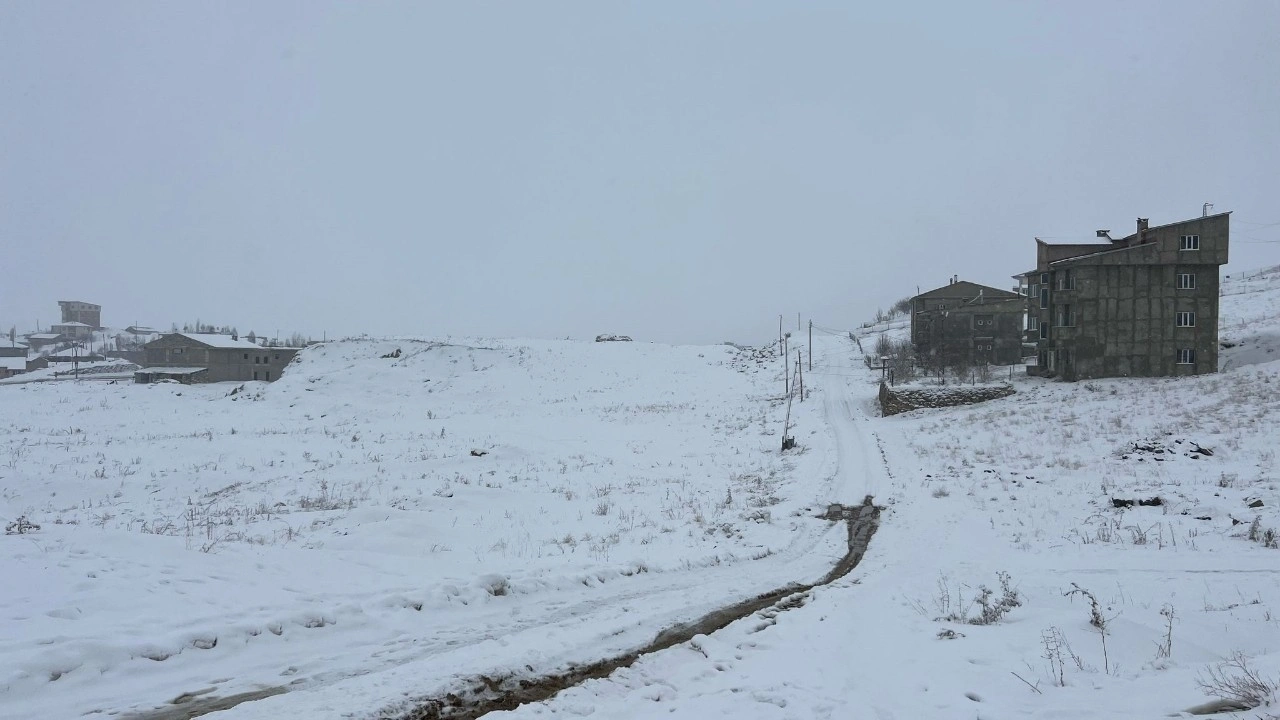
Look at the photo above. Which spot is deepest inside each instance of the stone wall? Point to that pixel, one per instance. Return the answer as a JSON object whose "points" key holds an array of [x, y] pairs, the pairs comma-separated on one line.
{"points": [[900, 400]]}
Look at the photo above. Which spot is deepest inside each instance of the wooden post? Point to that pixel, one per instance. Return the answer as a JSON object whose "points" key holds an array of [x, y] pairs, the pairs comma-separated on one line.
{"points": [[810, 345]]}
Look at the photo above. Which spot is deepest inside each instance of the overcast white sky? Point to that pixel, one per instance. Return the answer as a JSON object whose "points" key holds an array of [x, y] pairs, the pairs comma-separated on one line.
{"points": [[681, 172]]}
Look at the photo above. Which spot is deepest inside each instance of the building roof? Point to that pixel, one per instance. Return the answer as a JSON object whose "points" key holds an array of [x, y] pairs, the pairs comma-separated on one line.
{"points": [[170, 370], [215, 340], [44, 336], [13, 363], [68, 302], [73, 323], [1134, 236], [966, 289]]}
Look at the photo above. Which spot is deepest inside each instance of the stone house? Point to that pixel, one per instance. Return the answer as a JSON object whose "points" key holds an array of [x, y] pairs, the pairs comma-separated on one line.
{"points": [[1141, 305], [964, 323], [81, 312], [207, 357]]}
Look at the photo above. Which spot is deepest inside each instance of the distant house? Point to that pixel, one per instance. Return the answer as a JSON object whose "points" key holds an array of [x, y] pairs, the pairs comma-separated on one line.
{"points": [[964, 323], [73, 329], [208, 357], [12, 365], [73, 354], [39, 340], [1141, 305], [76, 311], [15, 351], [141, 330]]}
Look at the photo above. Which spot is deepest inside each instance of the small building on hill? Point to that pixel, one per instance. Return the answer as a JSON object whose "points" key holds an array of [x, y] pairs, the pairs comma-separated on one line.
{"points": [[40, 340], [73, 329], [964, 323], [208, 357], [12, 365]]}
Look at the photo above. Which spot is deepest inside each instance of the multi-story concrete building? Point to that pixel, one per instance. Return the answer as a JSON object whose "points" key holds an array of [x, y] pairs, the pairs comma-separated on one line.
{"points": [[1144, 305], [81, 312], [205, 357], [963, 323]]}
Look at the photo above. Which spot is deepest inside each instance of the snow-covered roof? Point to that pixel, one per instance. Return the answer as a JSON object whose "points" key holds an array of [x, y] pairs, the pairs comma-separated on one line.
{"points": [[13, 363], [72, 352], [44, 336], [220, 341], [73, 323], [170, 370]]}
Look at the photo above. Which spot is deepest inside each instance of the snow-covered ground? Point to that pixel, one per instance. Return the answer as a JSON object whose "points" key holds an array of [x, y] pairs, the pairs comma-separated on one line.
{"points": [[333, 536], [457, 507], [1024, 486]]}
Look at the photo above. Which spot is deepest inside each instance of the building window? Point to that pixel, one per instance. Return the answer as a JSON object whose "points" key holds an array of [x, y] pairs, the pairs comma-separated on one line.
{"points": [[266, 359], [1187, 356], [1189, 242], [1186, 281], [1044, 298], [1186, 319], [268, 376], [177, 351], [277, 356], [246, 356], [1066, 280], [1066, 318], [255, 374], [1044, 331], [1032, 322], [1044, 278]]}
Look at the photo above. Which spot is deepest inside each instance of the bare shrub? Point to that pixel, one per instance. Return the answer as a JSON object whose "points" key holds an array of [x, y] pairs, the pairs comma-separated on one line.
{"points": [[941, 491], [1234, 680], [1096, 619], [21, 526]]}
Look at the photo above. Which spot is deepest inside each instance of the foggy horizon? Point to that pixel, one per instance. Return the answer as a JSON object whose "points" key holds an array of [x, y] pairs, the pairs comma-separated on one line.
{"points": [[679, 173]]}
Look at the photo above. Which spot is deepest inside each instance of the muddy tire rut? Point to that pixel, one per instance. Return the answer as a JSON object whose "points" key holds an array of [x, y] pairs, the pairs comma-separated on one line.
{"points": [[491, 694]]}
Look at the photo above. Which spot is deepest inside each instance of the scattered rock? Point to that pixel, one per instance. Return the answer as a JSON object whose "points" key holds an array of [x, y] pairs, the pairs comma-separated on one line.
{"points": [[1143, 502], [613, 338], [479, 453], [1255, 503], [392, 355]]}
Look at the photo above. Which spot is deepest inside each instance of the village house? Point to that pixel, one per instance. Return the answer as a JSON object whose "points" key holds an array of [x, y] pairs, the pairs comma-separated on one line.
{"points": [[40, 340], [76, 311], [965, 324], [1142, 305], [74, 330], [208, 357]]}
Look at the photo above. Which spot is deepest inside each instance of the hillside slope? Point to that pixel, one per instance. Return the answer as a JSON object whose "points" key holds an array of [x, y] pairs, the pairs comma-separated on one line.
{"points": [[477, 505]]}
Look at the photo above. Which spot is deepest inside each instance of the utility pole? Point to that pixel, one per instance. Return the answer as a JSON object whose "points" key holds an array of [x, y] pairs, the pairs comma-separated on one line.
{"points": [[786, 368], [798, 326], [800, 371], [811, 346], [779, 331]]}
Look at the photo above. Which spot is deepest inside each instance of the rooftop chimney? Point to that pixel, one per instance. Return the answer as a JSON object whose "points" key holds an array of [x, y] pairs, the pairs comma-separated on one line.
{"points": [[1143, 224]]}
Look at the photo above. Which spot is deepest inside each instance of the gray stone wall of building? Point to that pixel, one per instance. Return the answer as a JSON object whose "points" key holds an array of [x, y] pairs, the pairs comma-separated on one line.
{"points": [[75, 311], [1117, 315]]}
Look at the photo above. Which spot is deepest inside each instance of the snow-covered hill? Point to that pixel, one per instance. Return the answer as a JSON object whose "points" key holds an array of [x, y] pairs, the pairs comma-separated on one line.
{"points": [[385, 502], [1057, 487]]}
